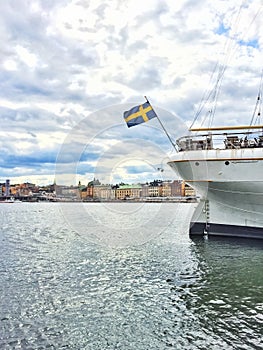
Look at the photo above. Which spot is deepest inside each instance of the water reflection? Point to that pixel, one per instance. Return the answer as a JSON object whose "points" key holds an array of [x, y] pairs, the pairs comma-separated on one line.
{"points": [[61, 291], [227, 299]]}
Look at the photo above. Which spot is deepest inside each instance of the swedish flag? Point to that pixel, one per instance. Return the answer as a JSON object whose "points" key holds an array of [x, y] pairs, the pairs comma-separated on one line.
{"points": [[139, 114]]}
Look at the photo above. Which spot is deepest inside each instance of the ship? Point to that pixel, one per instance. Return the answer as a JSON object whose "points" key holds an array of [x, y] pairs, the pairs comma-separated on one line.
{"points": [[224, 163], [225, 166]]}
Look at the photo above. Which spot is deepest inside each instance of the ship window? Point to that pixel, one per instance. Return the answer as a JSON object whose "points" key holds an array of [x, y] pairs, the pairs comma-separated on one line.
{"points": [[227, 162], [196, 163]]}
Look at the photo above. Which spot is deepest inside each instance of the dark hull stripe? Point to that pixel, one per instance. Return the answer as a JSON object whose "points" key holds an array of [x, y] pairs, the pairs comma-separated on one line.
{"points": [[198, 228]]}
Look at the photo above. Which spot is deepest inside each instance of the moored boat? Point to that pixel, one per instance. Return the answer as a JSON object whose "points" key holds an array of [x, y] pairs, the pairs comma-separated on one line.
{"points": [[225, 166], [8, 200]]}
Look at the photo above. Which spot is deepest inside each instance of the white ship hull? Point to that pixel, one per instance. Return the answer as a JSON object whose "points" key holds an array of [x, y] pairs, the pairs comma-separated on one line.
{"points": [[230, 182]]}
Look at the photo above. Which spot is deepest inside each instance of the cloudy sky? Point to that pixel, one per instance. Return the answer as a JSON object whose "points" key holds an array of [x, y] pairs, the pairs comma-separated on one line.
{"points": [[70, 68]]}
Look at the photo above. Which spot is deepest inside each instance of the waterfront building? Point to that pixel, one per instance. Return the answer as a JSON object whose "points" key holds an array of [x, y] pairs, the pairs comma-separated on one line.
{"points": [[129, 191], [7, 188], [145, 190], [188, 190], [83, 192], [177, 188], [103, 192], [69, 192], [155, 191], [166, 190], [90, 191]]}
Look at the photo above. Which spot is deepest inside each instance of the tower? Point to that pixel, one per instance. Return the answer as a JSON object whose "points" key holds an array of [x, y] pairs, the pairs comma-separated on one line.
{"points": [[7, 188]]}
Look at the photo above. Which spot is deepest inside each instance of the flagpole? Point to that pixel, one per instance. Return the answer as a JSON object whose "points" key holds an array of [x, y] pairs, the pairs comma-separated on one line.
{"points": [[169, 138]]}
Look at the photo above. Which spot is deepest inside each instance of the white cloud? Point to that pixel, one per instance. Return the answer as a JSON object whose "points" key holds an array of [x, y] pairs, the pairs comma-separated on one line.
{"points": [[26, 56], [10, 64], [66, 64]]}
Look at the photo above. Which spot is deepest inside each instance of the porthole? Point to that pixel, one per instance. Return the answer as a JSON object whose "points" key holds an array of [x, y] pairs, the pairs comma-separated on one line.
{"points": [[227, 162], [196, 163]]}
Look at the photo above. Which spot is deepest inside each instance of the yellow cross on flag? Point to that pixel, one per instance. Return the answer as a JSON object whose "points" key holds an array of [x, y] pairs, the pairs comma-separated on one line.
{"points": [[139, 114]]}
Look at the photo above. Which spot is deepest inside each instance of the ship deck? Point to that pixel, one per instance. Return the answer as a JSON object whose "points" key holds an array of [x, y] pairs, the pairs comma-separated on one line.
{"points": [[221, 140]]}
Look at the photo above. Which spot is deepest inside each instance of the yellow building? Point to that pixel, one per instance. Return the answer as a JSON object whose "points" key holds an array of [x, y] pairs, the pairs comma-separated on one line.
{"points": [[166, 190], [188, 191], [129, 192], [155, 191]]}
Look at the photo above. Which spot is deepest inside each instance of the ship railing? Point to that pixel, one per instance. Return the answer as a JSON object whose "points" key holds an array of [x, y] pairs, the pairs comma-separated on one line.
{"points": [[230, 140]]}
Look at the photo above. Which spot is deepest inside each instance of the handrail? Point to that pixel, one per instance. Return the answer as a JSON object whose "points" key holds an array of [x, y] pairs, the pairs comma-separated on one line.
{"points": [[230, 140], [237, 127]]}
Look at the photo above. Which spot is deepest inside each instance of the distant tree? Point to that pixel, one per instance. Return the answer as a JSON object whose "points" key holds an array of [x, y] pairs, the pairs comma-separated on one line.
{"points": [[114, 187], [94, 182], [156, 183]]}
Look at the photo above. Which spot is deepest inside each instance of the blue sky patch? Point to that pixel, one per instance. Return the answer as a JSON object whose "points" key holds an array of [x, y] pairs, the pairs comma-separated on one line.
{"points": [[222, 29], [252, 43]]}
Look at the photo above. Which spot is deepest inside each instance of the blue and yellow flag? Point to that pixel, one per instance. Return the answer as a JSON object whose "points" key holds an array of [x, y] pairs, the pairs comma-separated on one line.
{"points": [[139, 114]]}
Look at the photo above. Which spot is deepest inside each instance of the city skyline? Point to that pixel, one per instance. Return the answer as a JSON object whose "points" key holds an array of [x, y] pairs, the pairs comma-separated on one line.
{"points": [[93, 181], [95, 190]]}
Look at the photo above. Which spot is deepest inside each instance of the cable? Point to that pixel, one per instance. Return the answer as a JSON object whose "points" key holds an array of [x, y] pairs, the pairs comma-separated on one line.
{"points": [[212, 94]]}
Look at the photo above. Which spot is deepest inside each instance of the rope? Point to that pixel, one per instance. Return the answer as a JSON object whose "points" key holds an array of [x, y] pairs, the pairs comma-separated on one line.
{"points": [[211, 94], [257, 111]]}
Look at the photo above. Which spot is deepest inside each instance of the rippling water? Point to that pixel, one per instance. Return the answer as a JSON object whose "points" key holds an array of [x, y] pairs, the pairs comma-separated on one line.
{"points": [[124, 276]]}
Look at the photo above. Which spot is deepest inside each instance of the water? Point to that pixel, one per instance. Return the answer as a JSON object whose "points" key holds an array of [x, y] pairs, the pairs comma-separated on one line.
{"points": [[72, 277]]}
